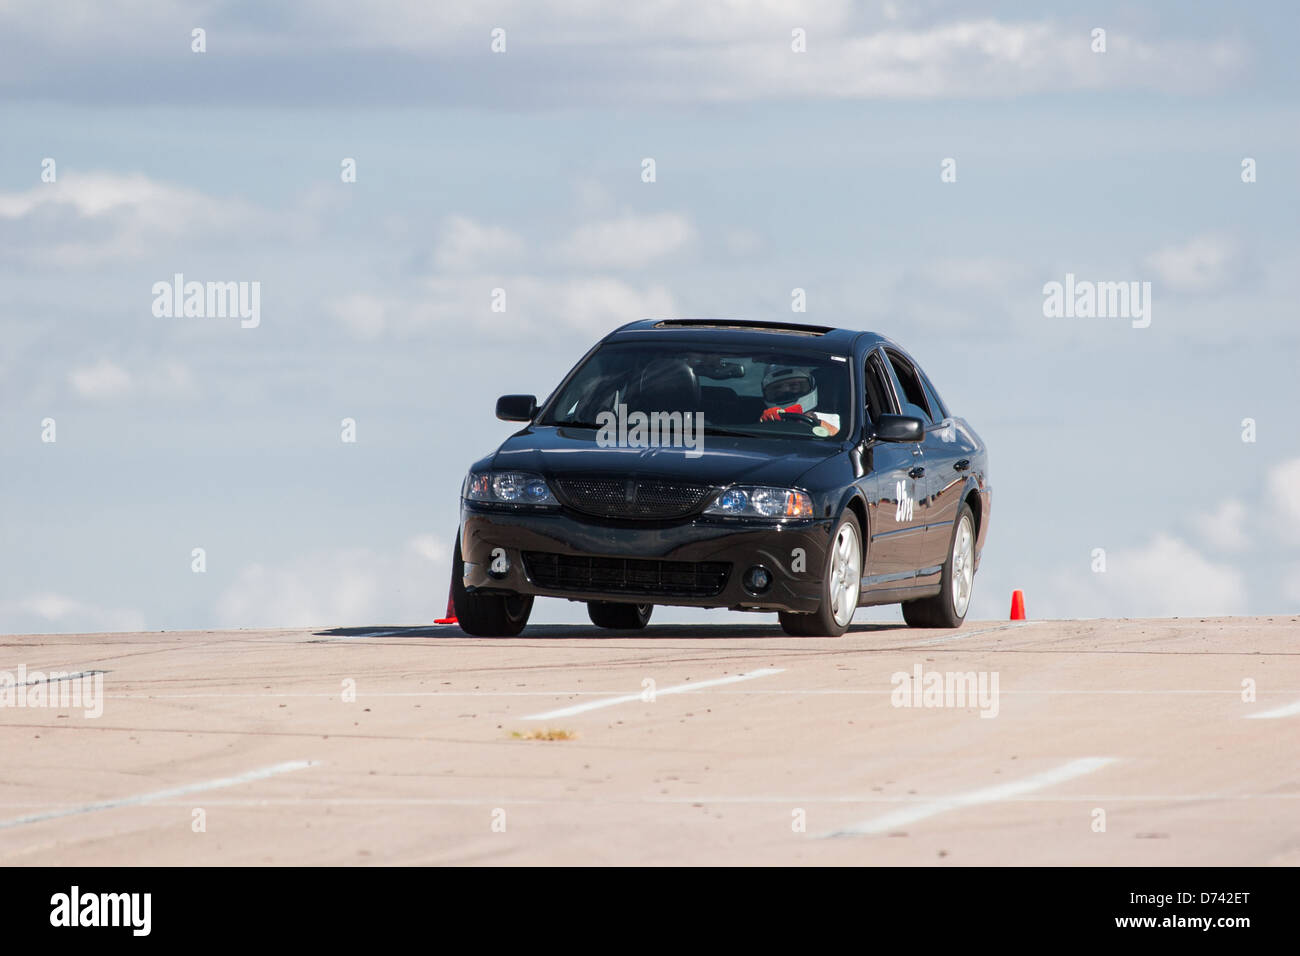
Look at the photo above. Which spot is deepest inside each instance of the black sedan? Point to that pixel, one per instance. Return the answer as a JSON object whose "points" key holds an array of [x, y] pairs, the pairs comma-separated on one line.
{"points": [[756, 466]]}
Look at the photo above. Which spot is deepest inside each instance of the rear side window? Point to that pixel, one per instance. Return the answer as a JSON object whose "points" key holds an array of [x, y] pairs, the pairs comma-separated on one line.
{"points": [[912, 393], [937, 407]]}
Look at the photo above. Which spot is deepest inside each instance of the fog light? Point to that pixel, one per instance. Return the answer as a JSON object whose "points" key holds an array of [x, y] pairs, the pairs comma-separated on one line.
{"points": [[757, 580]]}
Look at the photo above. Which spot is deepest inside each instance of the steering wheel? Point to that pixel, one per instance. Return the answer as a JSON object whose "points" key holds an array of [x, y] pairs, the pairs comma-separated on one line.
{"points": [[809, 417]]}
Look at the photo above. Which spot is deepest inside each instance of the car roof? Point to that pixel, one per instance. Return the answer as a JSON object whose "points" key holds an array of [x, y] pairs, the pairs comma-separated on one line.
{"points": [[750, 333]]}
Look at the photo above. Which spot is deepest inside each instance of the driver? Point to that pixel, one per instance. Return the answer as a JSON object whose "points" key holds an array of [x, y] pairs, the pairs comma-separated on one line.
{"points": [[792, 390]]}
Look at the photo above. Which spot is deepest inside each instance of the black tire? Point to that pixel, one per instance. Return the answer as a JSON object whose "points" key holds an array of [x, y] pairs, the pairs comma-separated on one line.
{"points": [[619, 617], [822, 622], [486, 615], [941, 610]]}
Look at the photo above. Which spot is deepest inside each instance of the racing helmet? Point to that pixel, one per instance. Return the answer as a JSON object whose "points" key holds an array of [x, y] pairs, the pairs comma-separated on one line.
{"points": [[786, 385]]}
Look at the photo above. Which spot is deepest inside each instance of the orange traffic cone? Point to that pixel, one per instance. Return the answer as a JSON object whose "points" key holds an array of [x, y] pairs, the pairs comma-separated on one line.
{"points": [[451, 610], [1017, 605]]}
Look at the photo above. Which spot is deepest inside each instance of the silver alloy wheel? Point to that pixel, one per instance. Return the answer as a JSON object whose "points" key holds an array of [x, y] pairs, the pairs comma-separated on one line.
{"points": [[846, 575], [963, 566]]}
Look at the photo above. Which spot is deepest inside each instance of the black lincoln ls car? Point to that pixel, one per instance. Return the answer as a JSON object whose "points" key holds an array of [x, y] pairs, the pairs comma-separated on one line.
{"points": [[757, 466]]}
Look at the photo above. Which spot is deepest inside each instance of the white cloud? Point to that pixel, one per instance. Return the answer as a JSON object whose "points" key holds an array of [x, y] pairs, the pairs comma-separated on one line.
{"points": [[629, 242], [1201, 264], [664, 50], [1284, 495], [1225, 528], [597, 305], [171, 379], [101, 217], [468, 247], [964, 58], [465, 245], [945, 296], [104, 379], [592, 197], [53, 613], [536, 308], [1291, 583], [428, 547], [743, 243], [160, 378], [1166, 577], [973, 274], [363, 315], [343, 587]]}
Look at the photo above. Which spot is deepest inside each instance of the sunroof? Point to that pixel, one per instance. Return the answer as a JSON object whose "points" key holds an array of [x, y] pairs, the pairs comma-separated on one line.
{"points": [[743, 324]]}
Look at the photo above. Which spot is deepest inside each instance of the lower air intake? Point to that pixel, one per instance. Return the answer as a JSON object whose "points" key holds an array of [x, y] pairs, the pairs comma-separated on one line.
{"points": [[637, 576]]}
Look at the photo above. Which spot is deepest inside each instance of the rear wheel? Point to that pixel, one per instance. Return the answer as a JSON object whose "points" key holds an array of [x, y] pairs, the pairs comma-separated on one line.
{"points": [[619, 617], [841, 585], [948, 607], [486, 615]]}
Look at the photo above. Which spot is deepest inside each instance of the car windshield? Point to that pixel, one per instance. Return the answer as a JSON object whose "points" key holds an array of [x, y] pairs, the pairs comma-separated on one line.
{"points": [[765, 394]]}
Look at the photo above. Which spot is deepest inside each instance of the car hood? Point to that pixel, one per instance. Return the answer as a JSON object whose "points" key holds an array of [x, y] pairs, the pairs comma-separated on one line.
{"points": [[721, 460]]}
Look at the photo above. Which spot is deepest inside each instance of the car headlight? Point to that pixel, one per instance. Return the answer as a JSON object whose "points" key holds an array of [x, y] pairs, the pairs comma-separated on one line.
{"points": [[508, 487], [761, 502]]}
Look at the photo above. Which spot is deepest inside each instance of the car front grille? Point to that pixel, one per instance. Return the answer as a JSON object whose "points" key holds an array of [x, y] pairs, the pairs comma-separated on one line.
{"points": [[642, 576], [631, 497]]}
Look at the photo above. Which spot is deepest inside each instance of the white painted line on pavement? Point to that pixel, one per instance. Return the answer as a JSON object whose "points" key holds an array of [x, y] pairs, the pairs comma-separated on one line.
{"points": [[1126, 692], [796, 692], [1002, 791], [1290, 710], [706, 800], [157, 795], [387, 693], [962, 635], [660, 692], [401, 631]]}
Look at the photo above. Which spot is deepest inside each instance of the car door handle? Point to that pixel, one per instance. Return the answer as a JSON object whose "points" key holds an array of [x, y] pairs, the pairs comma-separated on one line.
{"points": [[962, 465], [916, 472]]}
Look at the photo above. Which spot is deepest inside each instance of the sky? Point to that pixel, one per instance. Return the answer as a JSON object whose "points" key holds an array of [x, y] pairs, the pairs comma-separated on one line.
{"points": [[921, 170]]}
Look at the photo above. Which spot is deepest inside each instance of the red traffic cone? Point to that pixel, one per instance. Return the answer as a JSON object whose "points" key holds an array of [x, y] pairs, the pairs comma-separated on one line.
{"points": [[451, 610], [1017, 605]]}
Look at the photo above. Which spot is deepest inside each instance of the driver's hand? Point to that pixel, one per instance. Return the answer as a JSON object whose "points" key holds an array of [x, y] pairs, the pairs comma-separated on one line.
{"points": [[774, 414]]}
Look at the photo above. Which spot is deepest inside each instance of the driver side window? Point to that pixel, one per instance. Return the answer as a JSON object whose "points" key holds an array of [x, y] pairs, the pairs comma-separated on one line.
{"points": [[876, 380]]}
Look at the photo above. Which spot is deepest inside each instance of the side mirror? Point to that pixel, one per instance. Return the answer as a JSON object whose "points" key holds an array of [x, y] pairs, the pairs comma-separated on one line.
{"points": [[899, 428], [516, 408]]}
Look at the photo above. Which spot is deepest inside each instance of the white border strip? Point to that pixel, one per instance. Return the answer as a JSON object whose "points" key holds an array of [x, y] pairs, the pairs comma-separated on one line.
{"points": [[661, 692], [157, 795], [1003, 791]]}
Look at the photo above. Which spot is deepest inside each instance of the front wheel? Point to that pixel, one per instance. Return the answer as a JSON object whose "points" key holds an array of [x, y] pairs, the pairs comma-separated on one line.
{"points": [[948, 607], [841, 586], [486, 615], [619, 617]]}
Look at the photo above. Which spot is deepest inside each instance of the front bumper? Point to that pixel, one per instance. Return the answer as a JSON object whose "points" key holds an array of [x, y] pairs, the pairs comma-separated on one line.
{"points": [[793, 553]]}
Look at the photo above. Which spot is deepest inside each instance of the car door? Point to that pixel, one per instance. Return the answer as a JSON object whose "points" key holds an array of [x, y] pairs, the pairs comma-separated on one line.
{"points": [[897, 524], [943, 478], [947, 453]]}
